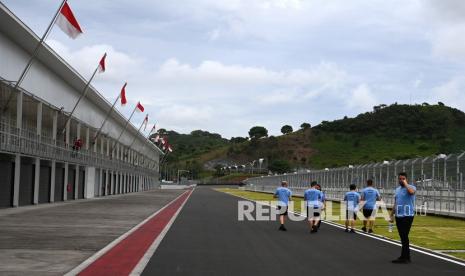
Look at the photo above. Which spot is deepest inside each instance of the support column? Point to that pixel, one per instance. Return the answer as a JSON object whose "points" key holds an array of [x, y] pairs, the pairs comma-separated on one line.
{"points": [[99, 189], [121, 183], [67, 136], [65, 182], [36, 180], [53, 172], [95, 145], [112, 183], [116, 183], [19, 124], [87, 144], [52, 181], [107, 181], [89, 183], [126, 182], [76, 182], [16, 180], [102, 145], [133, 188], [37, 161]]}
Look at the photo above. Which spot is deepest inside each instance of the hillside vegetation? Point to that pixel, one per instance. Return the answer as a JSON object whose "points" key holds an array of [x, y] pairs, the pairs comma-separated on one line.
{"points": [[386, 133]]}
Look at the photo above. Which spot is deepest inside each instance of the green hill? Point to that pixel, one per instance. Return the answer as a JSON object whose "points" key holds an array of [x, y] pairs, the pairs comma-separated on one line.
{"points": [[386, 133]]}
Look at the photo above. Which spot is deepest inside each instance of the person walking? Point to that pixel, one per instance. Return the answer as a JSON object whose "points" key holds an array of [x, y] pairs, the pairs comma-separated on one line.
{"points": [[404, 211], [369, 196], [323, 202], [312, 198], [284, 195], [352, 199]]}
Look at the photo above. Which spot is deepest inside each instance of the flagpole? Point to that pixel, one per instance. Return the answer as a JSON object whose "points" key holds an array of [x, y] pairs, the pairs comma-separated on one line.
{"points": [[34, 53], [135, 137], [84, 92], [124, 129], [105, 120], [151, 131]]}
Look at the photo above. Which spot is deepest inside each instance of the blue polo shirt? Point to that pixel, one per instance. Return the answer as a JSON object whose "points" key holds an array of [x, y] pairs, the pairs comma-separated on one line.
{"points": [[370, 195], [352, 200], [313, 198], [283, 195], [323, 197], [405, 202]]}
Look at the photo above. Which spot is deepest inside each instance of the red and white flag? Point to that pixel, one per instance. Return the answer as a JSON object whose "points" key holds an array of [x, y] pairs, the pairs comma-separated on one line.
{"points": [[139, 107], [122, 95], [146, 121], [68, 23], [101, 64], [153, 129], [169, 148]]}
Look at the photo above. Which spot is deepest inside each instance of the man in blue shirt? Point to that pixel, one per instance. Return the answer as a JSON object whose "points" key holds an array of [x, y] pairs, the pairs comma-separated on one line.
{"points": [[352, 200], [312, 199], [404, 212], [283, 194], [369, 197], [322, 200]]}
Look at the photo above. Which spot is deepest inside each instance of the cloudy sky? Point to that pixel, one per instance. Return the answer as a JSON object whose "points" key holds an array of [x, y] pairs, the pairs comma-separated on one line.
{"points": [[226, 65]]}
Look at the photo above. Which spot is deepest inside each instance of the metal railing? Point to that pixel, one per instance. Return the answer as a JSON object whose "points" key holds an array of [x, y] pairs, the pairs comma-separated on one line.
{"points": [[439, 181], [27, 142]]}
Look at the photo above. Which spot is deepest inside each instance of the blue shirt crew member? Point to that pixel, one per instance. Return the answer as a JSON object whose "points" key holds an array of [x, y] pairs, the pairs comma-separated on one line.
{"points": [[312, 199], [283, 194], [369, 197], [322, 200], [404, 212], [352, 200]]}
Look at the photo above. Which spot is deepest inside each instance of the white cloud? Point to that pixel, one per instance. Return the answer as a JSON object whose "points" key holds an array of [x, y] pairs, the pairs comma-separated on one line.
{"points": [[447, 28], [119, 65], [451, 92], [361, 98]]}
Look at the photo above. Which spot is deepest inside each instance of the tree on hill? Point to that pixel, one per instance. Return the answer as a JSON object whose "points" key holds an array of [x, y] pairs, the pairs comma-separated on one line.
{"points": [[162, 131], [257, 132], [237, 140], [286, 129], [279, 166], [305, 126]]}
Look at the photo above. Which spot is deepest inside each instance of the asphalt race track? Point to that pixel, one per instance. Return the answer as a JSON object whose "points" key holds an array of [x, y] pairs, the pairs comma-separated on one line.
{"points": [[208, 239]]}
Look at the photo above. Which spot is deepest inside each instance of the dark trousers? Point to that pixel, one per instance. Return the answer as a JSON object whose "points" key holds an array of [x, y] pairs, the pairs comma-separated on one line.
{"points": [[403, 227]]}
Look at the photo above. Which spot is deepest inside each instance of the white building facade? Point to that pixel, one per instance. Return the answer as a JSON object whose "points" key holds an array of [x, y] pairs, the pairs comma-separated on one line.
{"points": [[37, 161]]}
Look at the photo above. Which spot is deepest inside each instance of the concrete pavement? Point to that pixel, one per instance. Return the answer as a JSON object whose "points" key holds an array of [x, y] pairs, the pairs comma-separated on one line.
{"points": [[52, 239]]}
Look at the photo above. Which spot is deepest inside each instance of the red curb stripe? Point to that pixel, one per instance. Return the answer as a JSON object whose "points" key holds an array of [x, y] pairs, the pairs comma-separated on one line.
{"points": [[124, 256]]}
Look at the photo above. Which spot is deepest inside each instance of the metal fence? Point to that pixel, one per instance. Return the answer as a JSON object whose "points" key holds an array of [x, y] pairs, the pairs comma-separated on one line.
{"points": [[28, 143], [439, 181]]}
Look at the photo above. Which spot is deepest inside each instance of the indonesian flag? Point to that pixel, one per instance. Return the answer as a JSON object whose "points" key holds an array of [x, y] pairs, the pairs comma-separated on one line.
{"points": [[146, 120], [101, 64], [169, 148], [153, 129], [68, 23], [139, 107], [122, 95]]}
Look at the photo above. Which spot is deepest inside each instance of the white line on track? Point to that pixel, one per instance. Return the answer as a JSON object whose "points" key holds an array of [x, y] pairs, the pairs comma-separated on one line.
{"points": [[416, 248]]}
